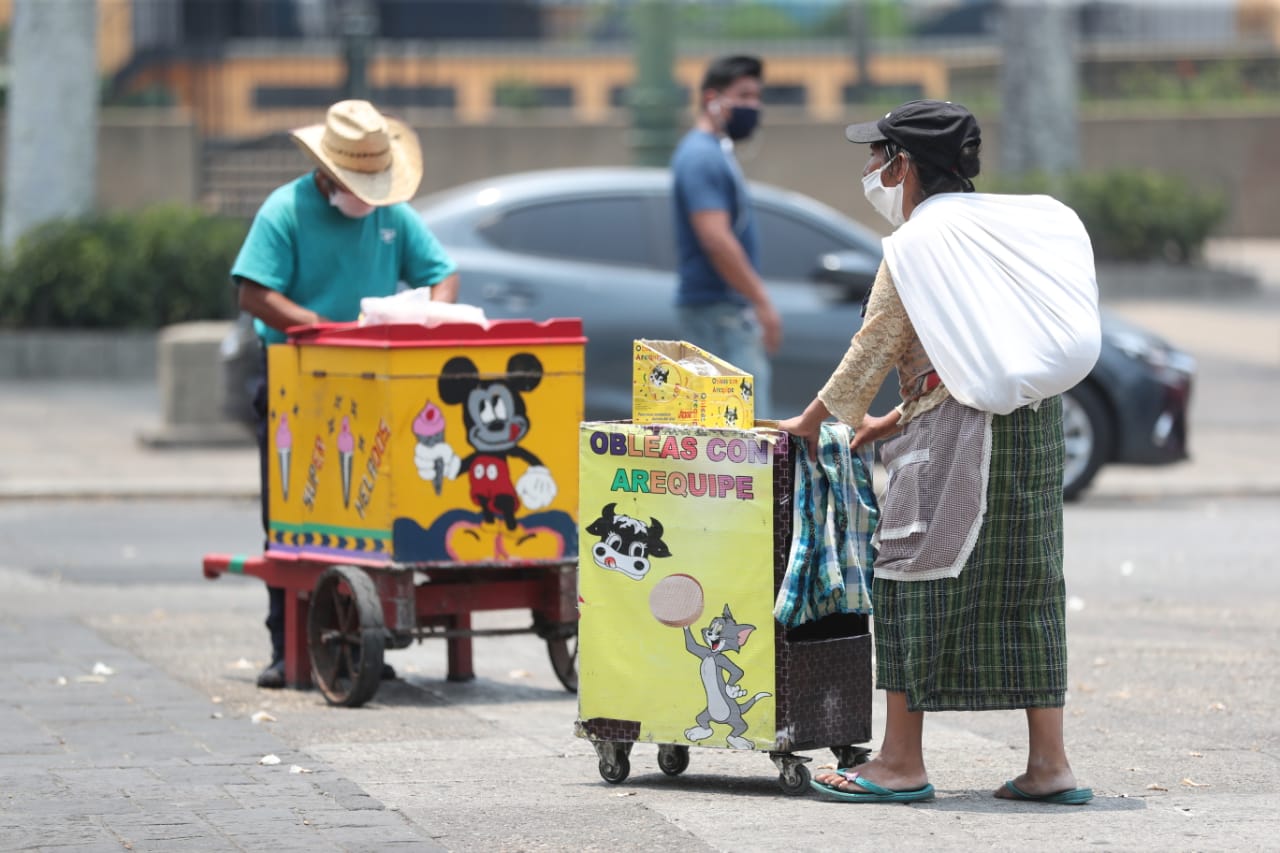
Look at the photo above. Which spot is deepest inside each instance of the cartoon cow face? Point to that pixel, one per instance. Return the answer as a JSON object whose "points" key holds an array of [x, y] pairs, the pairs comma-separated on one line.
{"points": [[626, 543], [744, 390], [658, 375], [731, 415]]}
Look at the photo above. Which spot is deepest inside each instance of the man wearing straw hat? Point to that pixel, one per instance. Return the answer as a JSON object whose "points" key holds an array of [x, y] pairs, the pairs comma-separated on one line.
{"points": [[322, 242]]}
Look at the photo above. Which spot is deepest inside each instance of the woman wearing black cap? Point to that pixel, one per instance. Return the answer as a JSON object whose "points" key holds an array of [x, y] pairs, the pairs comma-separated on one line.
{"points": [[987, 307]]}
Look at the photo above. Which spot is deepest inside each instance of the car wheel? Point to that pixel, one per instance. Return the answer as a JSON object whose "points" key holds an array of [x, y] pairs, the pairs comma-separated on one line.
{"points": [[1088, 435]]}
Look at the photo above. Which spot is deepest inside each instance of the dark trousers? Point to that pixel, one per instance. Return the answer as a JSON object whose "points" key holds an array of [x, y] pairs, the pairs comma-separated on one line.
{"points": [[275, 594]]}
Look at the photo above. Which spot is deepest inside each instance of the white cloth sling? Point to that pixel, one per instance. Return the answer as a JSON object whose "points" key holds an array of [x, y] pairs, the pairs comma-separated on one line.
{"points": [[1001, 290]]}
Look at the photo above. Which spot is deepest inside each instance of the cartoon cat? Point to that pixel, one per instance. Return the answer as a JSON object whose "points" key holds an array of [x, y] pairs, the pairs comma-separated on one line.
{"points": [[722, 635]]}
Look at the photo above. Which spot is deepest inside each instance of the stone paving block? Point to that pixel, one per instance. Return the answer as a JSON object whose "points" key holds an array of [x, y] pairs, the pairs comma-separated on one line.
{"points": [[146, 827], [96, 779], [186, 773], [285, 784], [27, 743], [66, 830], [364, 839], [28, 784], [229, 822], [20, 763], [206, 844], [181, 796], [77, 711], [111, 846], [66, 807], [348, 794], [279, 776]]}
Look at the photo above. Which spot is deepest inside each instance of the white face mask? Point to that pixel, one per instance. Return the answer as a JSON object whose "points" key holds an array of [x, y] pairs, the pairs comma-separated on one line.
{"points": [[349, 204], [886, 200]]}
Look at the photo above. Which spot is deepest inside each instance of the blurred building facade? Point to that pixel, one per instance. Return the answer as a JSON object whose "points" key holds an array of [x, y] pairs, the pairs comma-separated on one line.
{"points": [[239, 73]]}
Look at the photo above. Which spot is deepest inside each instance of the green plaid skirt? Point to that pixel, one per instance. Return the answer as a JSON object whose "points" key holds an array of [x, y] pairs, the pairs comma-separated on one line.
{"points": [[995, 636]]}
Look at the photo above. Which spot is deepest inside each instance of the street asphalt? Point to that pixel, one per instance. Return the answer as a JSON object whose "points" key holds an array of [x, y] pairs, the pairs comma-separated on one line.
{"points": [[104, 748]]}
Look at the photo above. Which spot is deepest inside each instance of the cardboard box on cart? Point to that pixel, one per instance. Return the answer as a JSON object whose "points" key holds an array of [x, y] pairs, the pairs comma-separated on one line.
{"points": [[685, 539], [675, 382], [415, 444]]}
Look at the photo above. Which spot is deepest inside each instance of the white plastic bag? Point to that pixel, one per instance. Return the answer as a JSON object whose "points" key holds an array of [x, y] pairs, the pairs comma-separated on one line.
{"points": [[417, 306]]}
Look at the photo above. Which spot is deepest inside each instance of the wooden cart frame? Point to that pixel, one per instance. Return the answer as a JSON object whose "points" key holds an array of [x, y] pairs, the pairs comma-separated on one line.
{"points": [[339, 618]]}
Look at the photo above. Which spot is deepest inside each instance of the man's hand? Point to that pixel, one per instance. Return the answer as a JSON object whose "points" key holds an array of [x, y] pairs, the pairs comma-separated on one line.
{"points": [[771, 325], [445, 290], [274, 308]]}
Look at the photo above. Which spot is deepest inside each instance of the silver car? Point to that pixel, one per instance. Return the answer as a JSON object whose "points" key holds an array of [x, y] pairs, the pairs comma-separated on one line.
{"points": [[598, 243]]}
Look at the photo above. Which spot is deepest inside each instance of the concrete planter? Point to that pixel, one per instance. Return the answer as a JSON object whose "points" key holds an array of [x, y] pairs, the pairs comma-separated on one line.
{"points": [[1167, 281]]}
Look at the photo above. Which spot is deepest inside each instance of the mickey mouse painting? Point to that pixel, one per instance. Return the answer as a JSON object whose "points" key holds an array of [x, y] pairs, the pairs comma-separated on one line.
{"points": [[496, 420]]}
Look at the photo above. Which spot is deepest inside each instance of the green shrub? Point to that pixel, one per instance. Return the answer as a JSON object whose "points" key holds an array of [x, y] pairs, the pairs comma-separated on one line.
{"points": [[1133, 215], [145, 270]]}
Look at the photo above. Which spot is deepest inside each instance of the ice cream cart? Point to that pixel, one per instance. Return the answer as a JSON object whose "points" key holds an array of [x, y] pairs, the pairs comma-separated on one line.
{"points": [[687, 532], [417, 475]]}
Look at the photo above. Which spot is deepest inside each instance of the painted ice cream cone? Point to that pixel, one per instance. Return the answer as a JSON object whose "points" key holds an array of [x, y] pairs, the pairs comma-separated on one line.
{"points": [[428, 426], [346, 454], [284, 451]]}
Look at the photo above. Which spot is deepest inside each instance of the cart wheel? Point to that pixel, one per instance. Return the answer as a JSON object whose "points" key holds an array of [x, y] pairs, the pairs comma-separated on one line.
{"points": [[851, 756], [564, 660], [616, 767], [673, 759], [795, 780], [346, 635]]}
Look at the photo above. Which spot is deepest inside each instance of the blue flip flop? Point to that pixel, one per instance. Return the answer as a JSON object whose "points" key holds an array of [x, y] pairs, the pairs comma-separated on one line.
{"points": [[874, 793], [1073, 797]]}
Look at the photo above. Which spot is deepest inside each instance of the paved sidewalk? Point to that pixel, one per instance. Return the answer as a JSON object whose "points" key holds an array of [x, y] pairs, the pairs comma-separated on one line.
{"points": [[129, 758]]}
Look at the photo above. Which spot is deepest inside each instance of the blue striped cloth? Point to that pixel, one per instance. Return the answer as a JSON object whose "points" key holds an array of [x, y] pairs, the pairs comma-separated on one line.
{"points": [[834, 513]]}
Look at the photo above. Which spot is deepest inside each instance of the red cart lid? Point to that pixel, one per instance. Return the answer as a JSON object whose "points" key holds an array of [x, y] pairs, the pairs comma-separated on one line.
{"points": [[561, 330]]}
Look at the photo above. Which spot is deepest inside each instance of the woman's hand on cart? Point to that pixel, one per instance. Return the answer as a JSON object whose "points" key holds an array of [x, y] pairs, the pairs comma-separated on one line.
{"points": [[807, 426], [875, 428]]}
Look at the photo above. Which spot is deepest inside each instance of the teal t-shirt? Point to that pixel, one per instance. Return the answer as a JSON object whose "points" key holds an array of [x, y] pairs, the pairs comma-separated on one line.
{"points": [[305, 248]]}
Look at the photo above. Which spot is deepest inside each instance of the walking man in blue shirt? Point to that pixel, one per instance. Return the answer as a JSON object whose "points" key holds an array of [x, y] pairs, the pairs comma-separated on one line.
{"points": [[322, 242], [722, 302]]}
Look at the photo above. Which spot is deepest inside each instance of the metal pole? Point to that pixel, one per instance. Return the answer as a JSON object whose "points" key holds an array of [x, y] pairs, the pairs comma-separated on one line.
{"points": [[51, 132], [860, 39], [1038, 88], [358, 25], [655, 99]]}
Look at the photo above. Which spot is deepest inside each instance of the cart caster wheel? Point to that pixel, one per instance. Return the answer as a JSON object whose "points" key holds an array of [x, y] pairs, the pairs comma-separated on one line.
{"points": [[795, 780], [673, 759], [851, 756], [347, 636], [563, 652], [615, 771]]}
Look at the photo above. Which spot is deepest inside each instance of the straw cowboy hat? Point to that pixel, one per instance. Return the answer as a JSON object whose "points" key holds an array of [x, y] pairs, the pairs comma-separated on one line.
{"points": [[377, 158]]}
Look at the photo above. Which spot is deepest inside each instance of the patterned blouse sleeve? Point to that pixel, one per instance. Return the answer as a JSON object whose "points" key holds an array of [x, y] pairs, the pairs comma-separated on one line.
{"points": [[885, 335]]}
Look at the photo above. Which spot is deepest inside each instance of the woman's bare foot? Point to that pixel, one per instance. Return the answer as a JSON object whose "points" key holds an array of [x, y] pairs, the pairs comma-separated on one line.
{"points": [[878, 771], [1039, 784]]}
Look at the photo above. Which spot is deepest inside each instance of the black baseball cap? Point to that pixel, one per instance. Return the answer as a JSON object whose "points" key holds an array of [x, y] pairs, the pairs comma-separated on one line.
{"points": [[933, 131]]}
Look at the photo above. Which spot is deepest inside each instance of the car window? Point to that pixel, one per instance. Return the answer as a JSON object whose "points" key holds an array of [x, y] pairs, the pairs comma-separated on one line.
{"points": [[790, 245], [602, 230]]}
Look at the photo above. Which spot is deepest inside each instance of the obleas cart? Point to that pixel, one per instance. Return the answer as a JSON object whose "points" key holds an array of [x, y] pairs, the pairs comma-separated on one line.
{"points": [[687, 535]]}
